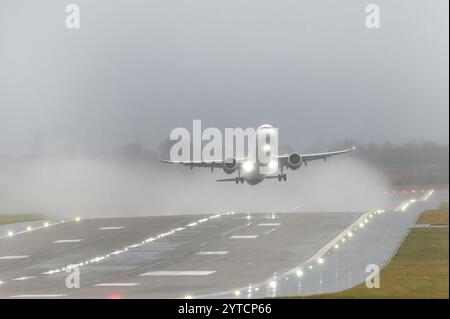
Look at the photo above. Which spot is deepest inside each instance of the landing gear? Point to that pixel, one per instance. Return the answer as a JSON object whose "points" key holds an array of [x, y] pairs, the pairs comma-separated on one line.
{"points": [[282, 176], [239, 178]]}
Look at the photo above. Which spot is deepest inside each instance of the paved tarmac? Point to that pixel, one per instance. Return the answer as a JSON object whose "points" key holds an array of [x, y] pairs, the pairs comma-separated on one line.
{"points": [[212, 256]]}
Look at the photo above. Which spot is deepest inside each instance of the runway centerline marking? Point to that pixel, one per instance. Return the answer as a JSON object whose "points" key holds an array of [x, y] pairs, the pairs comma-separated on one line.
{"points": [[269, 224], [244, 236], [235, 228], [179, 273], [117, 284], [112, 228], [212, 252], [12, 257], [65, 241]]}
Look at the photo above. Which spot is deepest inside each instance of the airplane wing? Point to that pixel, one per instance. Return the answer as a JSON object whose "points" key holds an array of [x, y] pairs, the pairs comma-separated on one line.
{"points": [[305, 158], [206, 164], [282, 160]]}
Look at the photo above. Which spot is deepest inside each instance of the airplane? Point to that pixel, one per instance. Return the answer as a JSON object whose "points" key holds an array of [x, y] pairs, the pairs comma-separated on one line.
{"points": [[250, 171]]}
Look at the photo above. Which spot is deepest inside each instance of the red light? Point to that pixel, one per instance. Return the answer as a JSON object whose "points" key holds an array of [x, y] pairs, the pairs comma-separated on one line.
{"points": [[115, 296]]}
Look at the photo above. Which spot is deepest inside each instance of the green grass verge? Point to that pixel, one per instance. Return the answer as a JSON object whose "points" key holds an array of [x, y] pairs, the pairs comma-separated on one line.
{"points": [[9, 219], [435, 217]]}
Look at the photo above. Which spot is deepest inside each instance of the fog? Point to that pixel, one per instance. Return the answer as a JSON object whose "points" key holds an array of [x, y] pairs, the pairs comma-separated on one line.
{"points": [[137, 69], [101, 186], [141, 68]]}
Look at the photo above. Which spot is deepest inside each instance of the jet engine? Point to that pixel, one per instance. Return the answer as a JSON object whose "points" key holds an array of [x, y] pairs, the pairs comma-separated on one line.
{"points": [[294, 161], [230, 166]]}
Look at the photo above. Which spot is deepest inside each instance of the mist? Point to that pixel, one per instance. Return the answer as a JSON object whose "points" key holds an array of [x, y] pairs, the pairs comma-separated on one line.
{"points": [[135, 70], [107, 186], [141, 68]]}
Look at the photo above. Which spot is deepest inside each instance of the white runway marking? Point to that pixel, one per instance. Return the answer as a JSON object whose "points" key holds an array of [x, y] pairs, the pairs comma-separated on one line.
{"points": [[118, 284], [23, 278], [179, 273], [269, 224], [64, 241], [12, 257], [38, 296], [212, 252], [112, 228], [269, 231], [244, 237], [235, 229]]}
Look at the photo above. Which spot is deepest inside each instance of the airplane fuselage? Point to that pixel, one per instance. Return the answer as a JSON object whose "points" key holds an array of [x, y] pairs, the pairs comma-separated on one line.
{"points": [[265, 162]]}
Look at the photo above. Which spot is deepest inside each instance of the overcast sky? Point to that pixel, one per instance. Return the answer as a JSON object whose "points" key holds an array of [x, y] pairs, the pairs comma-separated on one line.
{"points": [[140, 68]]}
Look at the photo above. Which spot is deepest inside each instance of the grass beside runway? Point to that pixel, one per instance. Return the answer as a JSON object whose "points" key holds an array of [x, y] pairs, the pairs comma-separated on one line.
{"points": [[418, 270], [435, 217], [10, 219]]}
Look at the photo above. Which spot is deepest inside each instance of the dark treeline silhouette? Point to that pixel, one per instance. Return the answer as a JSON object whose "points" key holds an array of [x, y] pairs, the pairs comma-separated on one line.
{"points": [[408, 164]]}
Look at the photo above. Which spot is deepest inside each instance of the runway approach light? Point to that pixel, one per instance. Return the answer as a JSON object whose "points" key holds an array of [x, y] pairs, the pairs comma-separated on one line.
{"points": [[10, 233], [188, 297], [310, 267], [237, 293], [361, 225], [349, 234], [248, 166], [273, 284], [46, 224], [336, 246], [77, 219], [1, 282], [29, 228], [320, 260], [299, 273]]}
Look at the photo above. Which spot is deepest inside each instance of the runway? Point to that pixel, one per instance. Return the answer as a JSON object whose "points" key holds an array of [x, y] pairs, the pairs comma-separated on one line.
{"points": [[213, 256]]}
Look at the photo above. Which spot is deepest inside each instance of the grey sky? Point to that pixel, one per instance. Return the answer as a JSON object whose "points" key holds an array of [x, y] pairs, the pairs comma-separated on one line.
{"points": [[311, 68]]}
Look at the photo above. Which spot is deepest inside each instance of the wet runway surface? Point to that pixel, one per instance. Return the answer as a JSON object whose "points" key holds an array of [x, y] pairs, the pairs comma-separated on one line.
{"points": [[212, 256]]}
